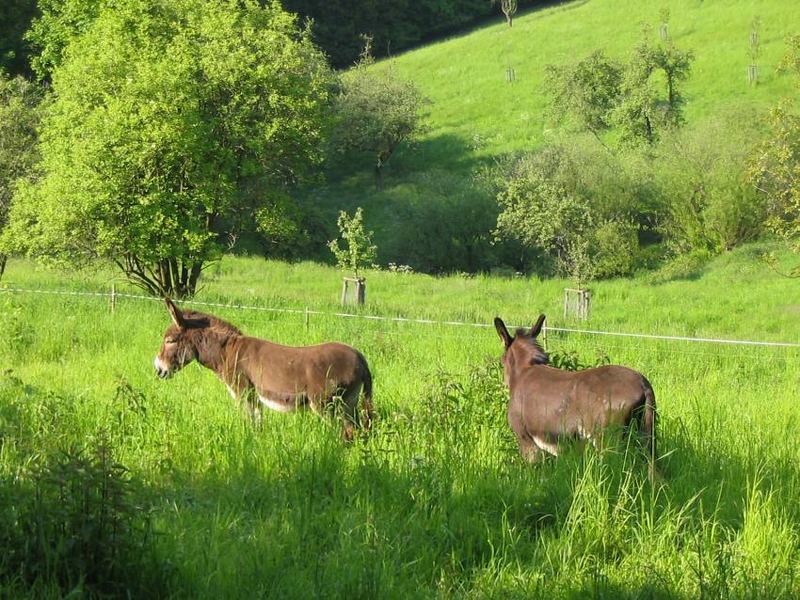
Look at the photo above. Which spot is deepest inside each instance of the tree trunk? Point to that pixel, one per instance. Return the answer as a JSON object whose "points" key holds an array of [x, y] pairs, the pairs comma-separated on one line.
{"points": [[168, 277], [648, 129], [378, 177], [3, 260]]}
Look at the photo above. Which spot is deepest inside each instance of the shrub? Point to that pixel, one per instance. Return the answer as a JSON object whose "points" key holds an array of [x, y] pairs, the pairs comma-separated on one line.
{"points": [[709, 205]]}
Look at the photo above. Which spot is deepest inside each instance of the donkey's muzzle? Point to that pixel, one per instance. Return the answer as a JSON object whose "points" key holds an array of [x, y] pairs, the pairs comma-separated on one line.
{"points": [[161, 370]]}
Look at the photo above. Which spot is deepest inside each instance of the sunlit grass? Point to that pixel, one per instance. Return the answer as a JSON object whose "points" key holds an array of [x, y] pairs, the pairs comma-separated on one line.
{"points": [[436, 502]]}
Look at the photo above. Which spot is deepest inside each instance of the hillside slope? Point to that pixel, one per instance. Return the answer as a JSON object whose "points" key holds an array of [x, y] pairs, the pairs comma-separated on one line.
{"points": [[476, 115]]}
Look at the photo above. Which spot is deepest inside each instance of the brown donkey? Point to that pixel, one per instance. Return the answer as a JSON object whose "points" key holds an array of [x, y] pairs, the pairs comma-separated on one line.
{"points": [[549, 404], [260, 373]]}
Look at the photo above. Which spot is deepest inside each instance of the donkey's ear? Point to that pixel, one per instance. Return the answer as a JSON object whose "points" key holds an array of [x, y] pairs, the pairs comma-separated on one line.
{"points": [[175, 313], [502, 331], [537, 327]]}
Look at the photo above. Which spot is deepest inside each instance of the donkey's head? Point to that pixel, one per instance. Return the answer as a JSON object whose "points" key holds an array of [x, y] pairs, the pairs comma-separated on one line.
{"points": [[178, 348], [521, 349]]}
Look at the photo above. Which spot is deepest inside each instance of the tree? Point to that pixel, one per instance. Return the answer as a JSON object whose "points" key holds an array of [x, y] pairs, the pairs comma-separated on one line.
{"points": [[358, 251], [168, 119], [642, 112], [375, 112], [709, 207], [775, 166], [599, 93], [509, 8], [19, 118], [586, 91]]}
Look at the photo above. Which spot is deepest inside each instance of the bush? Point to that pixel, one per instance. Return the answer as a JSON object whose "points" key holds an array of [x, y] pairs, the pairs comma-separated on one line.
{"points": [[577, 204], [442, 223], [708, 204]]}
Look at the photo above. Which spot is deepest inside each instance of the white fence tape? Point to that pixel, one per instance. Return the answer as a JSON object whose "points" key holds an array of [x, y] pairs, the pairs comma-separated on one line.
{"points": [[300, 311]]}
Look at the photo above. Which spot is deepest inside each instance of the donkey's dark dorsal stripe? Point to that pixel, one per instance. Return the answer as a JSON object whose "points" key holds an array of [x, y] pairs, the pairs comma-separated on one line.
{"points": [[547, 404], [261, 373]]}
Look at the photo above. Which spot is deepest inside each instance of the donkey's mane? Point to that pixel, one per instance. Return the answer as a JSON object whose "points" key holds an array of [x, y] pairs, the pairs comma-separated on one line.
{"points": [[537, 355], [198, 320]]}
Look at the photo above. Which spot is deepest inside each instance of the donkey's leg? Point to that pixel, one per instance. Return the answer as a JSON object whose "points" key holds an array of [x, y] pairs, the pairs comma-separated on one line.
{"points": [[349, 401], [529, 450], [541, 443], [248, 402]]}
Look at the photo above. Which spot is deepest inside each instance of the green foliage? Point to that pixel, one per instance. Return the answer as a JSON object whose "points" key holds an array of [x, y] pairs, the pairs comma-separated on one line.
{"points": [[376, 111], [709, 206], [776, 162], [289, 230], [20, 112], [587, 91], [72, 515], [58, 24], [169, 119], [616, 246], [552, 201], [642, 112], [358, 250], [442, 223], [598, 92]]}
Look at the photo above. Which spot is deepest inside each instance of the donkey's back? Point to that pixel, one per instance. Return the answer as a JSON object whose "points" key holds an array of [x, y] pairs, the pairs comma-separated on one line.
{"points": [[554, 402], [317, 371]]}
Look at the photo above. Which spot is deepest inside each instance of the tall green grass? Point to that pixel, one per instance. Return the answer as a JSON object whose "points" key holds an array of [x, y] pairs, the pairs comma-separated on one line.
{"points": [[435, 502]]}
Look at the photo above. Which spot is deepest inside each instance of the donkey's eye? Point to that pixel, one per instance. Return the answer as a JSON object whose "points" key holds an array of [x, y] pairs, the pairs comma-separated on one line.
{"points": [[170, 340]]}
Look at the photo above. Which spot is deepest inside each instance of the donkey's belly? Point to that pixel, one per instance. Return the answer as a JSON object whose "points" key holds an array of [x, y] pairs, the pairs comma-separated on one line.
{"points": [[287, 403]]}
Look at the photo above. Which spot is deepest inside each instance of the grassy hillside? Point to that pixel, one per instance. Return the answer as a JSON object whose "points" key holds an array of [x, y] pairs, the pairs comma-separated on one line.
{"points": [[474, 105], [475, 115], [162, 488]]}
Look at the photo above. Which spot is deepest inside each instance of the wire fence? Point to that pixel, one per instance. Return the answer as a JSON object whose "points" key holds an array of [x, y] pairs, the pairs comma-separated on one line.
{"points": [[112, 296]]}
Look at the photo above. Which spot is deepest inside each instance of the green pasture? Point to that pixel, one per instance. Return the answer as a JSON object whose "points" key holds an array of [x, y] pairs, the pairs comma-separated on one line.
{"points": [[435, 502]]}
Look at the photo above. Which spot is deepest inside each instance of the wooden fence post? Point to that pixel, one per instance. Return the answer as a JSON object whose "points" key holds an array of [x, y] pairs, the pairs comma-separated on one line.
{"points": [[113, 297]]}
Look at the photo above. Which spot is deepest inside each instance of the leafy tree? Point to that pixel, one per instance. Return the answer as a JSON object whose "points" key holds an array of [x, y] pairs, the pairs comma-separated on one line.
{"points": [[20, 102], [376, 111], [539, 209], [586, 91], [775, 166], [599, 93], [642, 112], [59, 23], [709, 206], [169, 119], [442, 222], [358, 250]]}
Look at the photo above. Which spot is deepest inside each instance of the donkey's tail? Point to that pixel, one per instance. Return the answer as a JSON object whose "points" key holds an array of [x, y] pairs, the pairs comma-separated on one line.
{"points": [[366, 378], [650, 428]]}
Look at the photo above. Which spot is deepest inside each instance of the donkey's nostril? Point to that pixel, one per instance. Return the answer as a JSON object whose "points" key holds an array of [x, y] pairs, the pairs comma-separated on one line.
{"points": [[161, 370]]}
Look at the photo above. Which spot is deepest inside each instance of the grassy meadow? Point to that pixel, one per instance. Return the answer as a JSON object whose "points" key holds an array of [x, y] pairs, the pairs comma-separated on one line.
{"points": [[115, 482]]}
